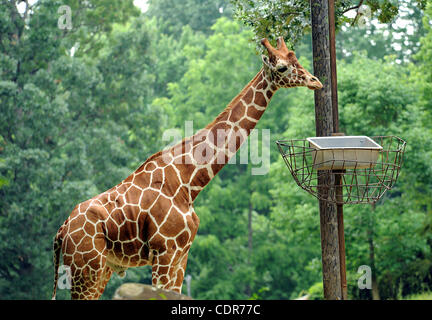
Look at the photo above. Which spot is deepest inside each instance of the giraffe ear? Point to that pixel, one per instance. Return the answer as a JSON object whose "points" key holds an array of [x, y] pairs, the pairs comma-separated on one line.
{"points": [[265, 60], [267, 66]]}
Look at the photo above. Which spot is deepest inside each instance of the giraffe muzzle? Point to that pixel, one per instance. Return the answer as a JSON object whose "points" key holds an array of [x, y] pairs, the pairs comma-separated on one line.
{"points": [[313, 83]]}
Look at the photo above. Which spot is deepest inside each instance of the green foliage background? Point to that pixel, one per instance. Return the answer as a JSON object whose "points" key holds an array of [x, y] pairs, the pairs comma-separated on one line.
{"points": [[74, 122]]}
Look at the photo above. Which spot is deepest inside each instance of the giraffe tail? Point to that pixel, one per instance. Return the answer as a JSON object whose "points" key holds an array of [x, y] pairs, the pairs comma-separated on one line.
{"points": [[57, 250]]}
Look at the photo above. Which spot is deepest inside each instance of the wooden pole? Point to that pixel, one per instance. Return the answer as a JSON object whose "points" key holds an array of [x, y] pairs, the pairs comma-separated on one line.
{"points": [[338, 174], [324, 127], [332, 39]]}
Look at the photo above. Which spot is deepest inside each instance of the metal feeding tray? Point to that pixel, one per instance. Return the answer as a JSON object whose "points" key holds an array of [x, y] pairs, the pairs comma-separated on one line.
{"points": [[365, 167], [344, 152]]}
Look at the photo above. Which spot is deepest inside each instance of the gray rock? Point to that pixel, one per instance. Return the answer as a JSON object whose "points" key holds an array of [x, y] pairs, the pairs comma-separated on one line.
{"points": [[139, 291]]}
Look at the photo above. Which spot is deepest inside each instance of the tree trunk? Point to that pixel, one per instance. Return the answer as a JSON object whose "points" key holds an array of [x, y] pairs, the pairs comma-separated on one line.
{"points": [[250, 245], [250, 231], [324, 127]]}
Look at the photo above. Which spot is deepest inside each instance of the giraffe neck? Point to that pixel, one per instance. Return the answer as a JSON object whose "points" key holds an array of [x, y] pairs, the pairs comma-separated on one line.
{"points": [[204, 154]]}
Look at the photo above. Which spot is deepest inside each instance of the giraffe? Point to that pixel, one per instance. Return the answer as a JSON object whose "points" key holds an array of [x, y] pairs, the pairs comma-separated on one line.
{"points": [[149, 218]]}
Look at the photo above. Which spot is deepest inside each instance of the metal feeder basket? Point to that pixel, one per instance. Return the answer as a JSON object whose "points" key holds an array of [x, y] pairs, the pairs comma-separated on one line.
{"points": [[367, 167]]}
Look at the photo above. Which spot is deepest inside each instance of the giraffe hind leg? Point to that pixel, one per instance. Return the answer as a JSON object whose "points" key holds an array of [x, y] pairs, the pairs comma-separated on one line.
{"points": [[88, 283], [89, 270]]}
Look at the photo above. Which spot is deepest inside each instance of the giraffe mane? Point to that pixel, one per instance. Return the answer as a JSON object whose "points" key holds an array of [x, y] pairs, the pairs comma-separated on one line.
{"points": [[234, 101]]}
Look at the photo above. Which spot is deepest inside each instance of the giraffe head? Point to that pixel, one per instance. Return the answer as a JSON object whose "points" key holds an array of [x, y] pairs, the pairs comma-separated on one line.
{"points": [[283, 68]]}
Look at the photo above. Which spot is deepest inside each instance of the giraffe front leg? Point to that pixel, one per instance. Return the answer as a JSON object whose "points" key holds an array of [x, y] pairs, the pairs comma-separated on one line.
{"points": [[171, 246], [180, 273], [168, 271]]}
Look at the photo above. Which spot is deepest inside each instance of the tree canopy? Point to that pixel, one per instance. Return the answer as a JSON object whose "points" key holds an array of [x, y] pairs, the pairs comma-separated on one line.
{"points": [[291, 19]]}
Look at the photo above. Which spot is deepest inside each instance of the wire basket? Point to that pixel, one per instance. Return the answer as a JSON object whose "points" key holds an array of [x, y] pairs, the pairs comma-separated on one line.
{"points": [[344, 181]]}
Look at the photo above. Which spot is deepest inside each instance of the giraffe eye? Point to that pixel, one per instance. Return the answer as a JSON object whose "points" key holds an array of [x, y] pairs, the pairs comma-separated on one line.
{"points": [[282, 69]]}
